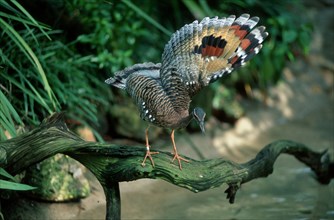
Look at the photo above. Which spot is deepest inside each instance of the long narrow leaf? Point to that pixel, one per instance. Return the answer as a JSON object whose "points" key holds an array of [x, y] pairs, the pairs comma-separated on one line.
{"points": [[4, 121], [4, 173], [22, 20], [205, 6], [22, 9], [4, 184], [195, 9], [28, 92], [2, 134], [21, 43], [147, 17], [9, 7], [10, 107], [38, 95], [13, 35]]}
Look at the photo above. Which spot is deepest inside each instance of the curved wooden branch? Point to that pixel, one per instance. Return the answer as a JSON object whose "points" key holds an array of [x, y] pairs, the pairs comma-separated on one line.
{"points": [[123, 163], [113, 163]]}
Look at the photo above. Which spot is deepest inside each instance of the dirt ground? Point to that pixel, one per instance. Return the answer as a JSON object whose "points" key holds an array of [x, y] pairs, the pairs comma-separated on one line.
{"points": [[299, 108]]}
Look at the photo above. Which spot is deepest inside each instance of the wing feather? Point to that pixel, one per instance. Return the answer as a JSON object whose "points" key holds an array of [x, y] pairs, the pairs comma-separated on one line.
{"points": [[202, 52]]}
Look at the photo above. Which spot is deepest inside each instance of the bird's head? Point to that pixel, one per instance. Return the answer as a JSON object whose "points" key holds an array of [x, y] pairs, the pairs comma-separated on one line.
{"points": [[199, 115]]}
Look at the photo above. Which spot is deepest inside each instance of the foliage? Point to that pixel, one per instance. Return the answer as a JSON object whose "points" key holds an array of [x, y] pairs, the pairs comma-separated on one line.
{"points": [[109, 30], [40, 76], [8, 182], [12, 184]]}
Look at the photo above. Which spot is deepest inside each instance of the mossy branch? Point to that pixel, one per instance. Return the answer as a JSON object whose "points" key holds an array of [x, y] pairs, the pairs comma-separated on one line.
{"points": [[115, 163]]}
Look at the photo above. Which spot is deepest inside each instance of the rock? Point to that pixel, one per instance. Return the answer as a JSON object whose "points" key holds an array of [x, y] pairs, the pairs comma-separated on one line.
{"points": [[58, 178]]}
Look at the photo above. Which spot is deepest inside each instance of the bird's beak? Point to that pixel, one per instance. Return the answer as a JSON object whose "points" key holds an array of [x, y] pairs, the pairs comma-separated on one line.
{"points": [[201, 125]]}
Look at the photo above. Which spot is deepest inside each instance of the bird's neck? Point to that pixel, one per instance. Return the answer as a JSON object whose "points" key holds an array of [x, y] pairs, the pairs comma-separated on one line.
{"points": [[184, 122]]}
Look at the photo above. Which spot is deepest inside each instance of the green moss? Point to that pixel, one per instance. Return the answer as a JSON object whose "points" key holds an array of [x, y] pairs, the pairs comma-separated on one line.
{"points": [[58, 178]]}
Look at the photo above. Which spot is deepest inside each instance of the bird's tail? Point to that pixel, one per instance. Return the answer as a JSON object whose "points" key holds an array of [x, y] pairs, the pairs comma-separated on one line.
{"points": [[147, 69]]}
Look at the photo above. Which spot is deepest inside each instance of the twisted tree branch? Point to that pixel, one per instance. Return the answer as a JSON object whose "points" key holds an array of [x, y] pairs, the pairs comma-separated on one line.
{"points": [[114, 163]]}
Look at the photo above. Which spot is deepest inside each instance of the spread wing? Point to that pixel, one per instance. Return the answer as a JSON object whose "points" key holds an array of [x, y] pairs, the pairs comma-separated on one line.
{"points": [[120, 78], [203, 52]]}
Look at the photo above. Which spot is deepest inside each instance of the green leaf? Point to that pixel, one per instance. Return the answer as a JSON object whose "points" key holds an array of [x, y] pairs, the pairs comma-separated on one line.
{"points": [[7, 124], [147, 17], [22, 20], [289, 36], [22, 9], [4, 184], [4, 102], [6, 174], [194, 8], [26, 49]]}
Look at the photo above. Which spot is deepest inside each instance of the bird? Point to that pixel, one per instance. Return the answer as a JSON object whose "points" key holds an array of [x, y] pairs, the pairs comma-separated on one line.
{"points": [[196, 55]]}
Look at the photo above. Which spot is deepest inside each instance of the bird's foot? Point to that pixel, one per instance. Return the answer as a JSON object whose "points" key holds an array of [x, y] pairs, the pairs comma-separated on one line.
{"points": [[179, 158], [148, 155]]}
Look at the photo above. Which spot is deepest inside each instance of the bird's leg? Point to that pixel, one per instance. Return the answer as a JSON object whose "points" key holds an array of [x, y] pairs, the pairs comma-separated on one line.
{"points": [[176, 155], [148, 152]]}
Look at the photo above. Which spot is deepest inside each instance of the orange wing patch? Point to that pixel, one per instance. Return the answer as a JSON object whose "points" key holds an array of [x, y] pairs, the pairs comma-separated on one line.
{"points": [[211, 46]]}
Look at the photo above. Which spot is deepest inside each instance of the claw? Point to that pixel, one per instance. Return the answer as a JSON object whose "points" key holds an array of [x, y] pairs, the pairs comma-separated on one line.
{"points": [[179, 158], [148, 155], [148, 152], [176, 155]]}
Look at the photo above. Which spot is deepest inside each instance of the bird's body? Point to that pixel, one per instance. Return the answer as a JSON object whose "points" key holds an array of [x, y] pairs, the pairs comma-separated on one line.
{"points": [[146, 89], [196, 55]]}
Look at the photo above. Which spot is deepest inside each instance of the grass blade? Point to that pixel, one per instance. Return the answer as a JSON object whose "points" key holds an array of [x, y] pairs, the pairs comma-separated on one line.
{"points": [[195, 10], [4, 173], [147, 17], [4, 184], [5, 103], [25, 48], [30, 17]]}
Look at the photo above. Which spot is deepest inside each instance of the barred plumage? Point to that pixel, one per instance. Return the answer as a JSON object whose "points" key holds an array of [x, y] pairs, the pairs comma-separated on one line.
{"points": [[196, 55]]}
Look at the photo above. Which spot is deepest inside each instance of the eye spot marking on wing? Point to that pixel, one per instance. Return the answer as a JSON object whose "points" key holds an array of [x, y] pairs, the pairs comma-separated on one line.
{"points": [[211, 46]]}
